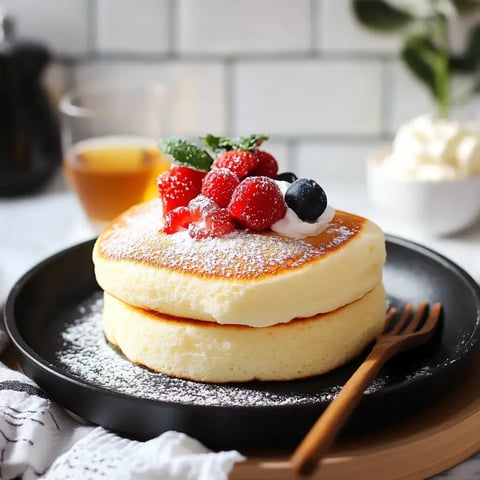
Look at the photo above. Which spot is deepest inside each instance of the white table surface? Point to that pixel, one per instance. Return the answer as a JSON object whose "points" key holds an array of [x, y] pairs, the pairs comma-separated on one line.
{"points": [[34, 227]]}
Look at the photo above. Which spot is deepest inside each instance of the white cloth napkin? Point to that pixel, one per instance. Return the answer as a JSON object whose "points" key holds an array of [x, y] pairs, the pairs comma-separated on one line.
{"points": [[38, 440]]}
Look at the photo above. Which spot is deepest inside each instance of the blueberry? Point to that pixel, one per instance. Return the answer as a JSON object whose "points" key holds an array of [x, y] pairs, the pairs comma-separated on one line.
{"points": [[286, 177], [306, 198]]}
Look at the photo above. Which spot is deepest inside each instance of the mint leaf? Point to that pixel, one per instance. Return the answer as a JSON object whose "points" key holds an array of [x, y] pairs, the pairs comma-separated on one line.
{"points": [[252, 142], [186, 154], [218, 144]]}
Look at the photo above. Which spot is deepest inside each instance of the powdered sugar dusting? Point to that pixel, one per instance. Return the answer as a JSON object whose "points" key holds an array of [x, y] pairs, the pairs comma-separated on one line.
{"points": [[86, 354], [239, 254]]}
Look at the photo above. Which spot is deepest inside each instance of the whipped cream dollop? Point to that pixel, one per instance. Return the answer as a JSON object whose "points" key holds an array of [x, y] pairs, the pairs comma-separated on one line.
{"points": [[293, 226], [429, 148]]}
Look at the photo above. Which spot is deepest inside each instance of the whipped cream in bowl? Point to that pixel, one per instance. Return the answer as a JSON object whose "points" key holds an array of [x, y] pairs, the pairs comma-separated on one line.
{"points": [[430, 177]]}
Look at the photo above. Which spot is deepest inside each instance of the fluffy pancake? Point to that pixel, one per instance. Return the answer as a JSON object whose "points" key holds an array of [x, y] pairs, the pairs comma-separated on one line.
{"points": [[210, 352], [257, 279]]}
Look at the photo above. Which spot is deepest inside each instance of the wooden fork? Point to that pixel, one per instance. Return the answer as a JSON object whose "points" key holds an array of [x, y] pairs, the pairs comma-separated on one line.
{"points": [[396, 337]]}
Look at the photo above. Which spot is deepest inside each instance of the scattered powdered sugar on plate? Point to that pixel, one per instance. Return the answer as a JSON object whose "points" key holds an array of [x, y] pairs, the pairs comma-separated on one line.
{"points": [[86, 355]]}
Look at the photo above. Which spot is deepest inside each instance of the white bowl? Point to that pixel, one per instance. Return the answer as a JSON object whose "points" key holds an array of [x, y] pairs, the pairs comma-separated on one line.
{"points": [[432, 207]]}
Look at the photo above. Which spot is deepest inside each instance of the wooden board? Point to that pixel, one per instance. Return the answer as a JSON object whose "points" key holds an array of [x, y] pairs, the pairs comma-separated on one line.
{"points": [[426, 444]]}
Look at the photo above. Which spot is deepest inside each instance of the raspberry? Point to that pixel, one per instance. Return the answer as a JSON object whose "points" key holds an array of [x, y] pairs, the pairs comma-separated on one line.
{"points": [[267, 165], [201, 205], [179, 218], [202, 217], [217, 222], [257, 203], [219, 185], [178, 186], [240, 162]]}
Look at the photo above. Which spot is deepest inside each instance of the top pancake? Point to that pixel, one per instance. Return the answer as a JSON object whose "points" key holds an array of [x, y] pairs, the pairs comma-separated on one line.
{"points": [[249, 278]]}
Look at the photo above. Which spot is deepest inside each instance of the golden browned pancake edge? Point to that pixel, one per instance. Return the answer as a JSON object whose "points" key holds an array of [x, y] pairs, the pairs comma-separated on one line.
{"points": [[245, 278], [210, 352]]}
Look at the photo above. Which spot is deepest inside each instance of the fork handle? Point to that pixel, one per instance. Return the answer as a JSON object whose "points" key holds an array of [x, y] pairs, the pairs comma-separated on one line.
{"points": [[320, 437]]}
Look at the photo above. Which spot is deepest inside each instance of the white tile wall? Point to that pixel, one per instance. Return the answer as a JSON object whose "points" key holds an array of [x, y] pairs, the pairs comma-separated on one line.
{"points": [[313, 97], [297, 70], [120, 31], [332, 161], [340, 32], [60, 24], [196, 91], [280, 151], [54, 81], [407, 97], [460, 28], [247, 26]]}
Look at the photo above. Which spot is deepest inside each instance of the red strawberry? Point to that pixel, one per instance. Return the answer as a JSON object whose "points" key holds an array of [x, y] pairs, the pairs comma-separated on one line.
{"points": [[240, 162], [219, 185], [267, 165], [178, 218], [257, 203], [217, 222], [201, 205], [203, 218], [178, 186]]}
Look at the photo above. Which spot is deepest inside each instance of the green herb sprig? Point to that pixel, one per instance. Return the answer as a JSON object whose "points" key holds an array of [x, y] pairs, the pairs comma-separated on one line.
{"points": [[424, 29]]}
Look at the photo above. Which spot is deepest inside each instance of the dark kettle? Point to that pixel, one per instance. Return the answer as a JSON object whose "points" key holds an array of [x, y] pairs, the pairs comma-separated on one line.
{"points": [[30, 147]]}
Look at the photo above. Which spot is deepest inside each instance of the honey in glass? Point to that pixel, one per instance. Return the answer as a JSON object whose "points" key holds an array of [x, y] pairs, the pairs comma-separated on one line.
{"points": [[110, 174]]}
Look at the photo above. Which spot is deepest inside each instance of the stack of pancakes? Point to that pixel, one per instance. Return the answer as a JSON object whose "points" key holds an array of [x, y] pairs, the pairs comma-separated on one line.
{"points": [[244, 306]]}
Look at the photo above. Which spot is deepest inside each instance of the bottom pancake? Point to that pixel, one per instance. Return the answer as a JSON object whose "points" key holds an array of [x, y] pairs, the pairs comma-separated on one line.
{"points": [[210, 352]]}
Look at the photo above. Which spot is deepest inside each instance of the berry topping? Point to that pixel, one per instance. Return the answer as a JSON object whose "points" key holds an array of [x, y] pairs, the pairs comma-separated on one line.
{"points": [[307, 199], [186, 154], [202, 217], [219, 185], [267, 166], [216, 222], [240, 162], [286, 177], [179, 218], [220, 144], [257, 203], [178, 186]]}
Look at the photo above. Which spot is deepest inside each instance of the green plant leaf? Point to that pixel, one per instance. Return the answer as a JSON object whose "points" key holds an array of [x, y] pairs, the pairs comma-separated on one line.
{"points": [[461, 64], [186, 154], [380, 16], [473, 48], [419, 54], [466, 6]]}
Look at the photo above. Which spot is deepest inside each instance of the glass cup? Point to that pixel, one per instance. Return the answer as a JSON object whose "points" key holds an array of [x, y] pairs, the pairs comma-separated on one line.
{"points": [[109, 138]]}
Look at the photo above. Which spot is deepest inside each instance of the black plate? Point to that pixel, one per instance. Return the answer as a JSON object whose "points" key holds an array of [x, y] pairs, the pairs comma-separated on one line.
{"points": [[50, 316]]}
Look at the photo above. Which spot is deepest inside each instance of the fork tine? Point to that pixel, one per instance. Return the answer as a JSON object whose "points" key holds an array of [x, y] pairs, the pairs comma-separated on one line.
{"points": [[402, 321], [432, 318], [389, 317], [417, 318]]}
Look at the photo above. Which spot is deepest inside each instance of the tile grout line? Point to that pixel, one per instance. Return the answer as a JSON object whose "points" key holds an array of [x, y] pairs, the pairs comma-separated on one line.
{"points": [[386, 97], [172, 40], [229, 80], [92, 26], [314, 28]]}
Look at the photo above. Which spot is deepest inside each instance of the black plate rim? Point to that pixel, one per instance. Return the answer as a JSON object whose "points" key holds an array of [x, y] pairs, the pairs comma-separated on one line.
{"points": [[24, 349]]}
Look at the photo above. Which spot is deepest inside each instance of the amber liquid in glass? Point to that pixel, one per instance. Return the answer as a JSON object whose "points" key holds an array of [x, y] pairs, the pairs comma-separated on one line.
{"points": [[111, 174]]}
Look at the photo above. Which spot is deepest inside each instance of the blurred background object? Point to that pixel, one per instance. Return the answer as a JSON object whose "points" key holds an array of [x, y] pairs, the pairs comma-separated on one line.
{"points": [[109, 138], [328, 90], [29, 133]]}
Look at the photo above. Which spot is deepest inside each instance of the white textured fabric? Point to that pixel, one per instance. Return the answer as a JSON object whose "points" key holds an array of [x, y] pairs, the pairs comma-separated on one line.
{"points": [[39, 440]]}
